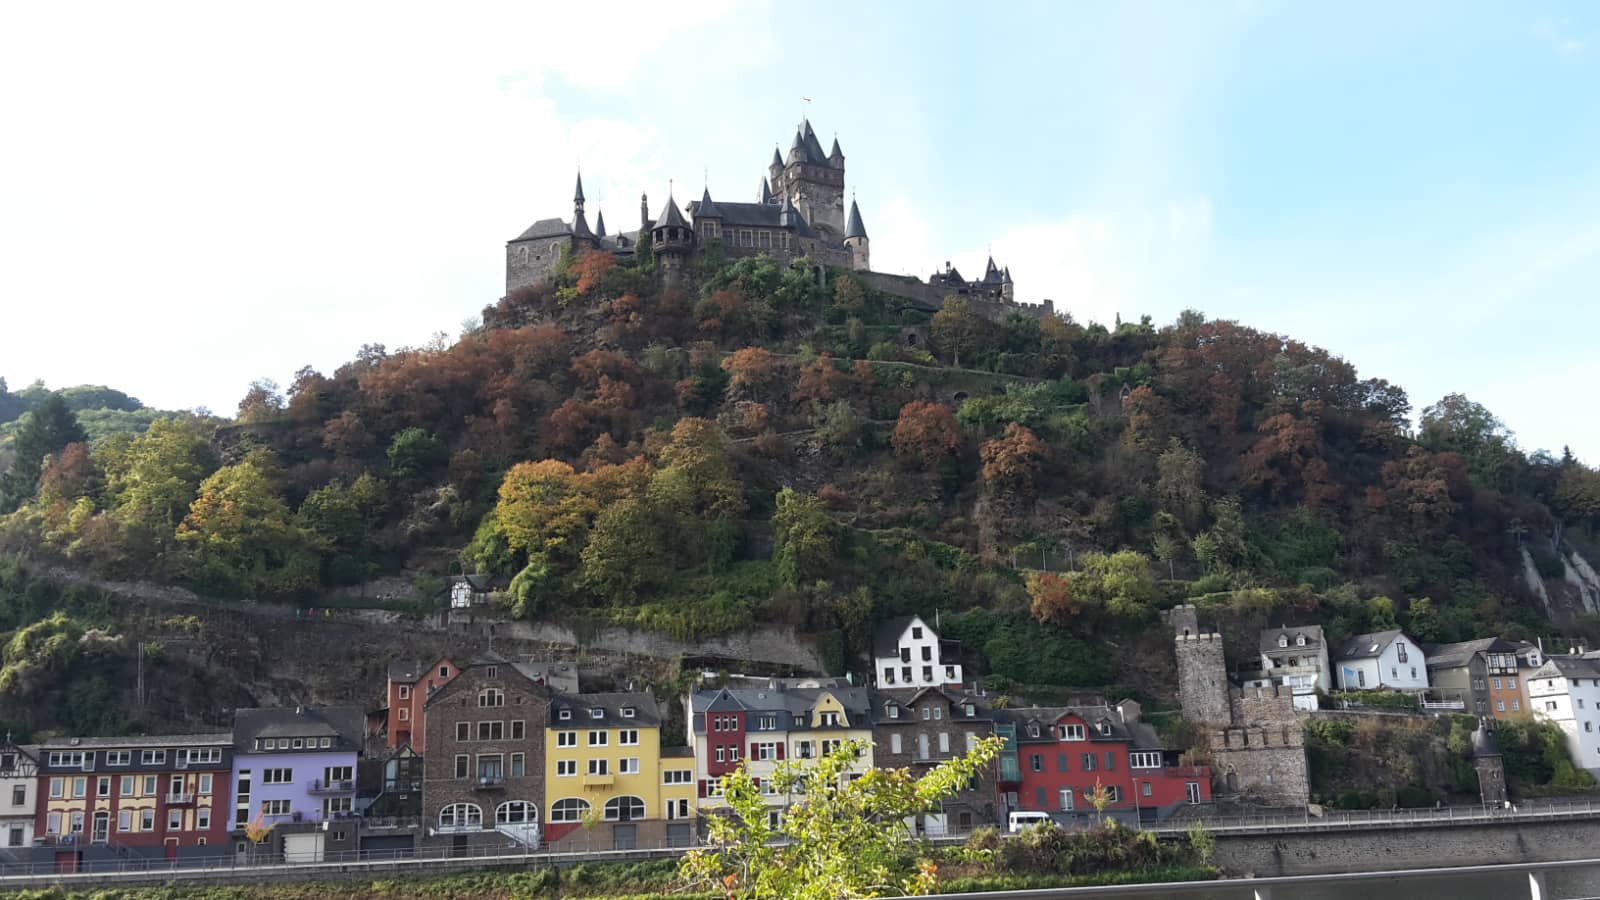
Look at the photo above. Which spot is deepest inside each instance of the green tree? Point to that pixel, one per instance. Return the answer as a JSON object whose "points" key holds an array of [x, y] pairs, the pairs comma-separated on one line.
{"points": [[151, 479], [42, 432], [805, 538], [957, 329], [623, 551], [414, 451], [845, 837], [243, 536], [1179, 475]]}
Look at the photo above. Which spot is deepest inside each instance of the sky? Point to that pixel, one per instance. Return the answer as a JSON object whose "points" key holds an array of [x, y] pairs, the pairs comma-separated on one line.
{"points": [[194, 196]]}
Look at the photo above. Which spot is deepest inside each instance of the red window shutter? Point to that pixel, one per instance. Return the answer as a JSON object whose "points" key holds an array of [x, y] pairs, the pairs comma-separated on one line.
{"points": [[780, 751], [702, 788], [756, 782], [752, 749]]}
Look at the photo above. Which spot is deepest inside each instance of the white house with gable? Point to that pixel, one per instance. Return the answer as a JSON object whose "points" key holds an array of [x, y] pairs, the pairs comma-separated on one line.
{"points": [[1381, 661], [1566, 691], [907, 653]]}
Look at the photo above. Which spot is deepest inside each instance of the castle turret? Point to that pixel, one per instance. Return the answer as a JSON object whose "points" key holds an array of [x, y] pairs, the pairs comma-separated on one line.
{"points": [[836, 156], [644, 215], [813, 181], [600, 224], [855, 237], [765, 196], [671, 240], [580, 225]]}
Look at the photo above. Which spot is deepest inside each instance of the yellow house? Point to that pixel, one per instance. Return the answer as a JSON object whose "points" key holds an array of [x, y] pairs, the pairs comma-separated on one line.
{"points": [[604, 775]]}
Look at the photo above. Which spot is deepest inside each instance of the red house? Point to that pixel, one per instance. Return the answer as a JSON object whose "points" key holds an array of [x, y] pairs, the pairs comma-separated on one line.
{"points": [[1067, 754], [410, 685]]}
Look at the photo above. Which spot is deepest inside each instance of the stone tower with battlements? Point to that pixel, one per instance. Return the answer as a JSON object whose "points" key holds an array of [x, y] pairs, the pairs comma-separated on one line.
{"points": [[812, 180], [1253, 736]]}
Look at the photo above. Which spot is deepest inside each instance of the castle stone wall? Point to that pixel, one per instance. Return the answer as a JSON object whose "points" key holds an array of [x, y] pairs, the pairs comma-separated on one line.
{"points": [[1203, 679]]}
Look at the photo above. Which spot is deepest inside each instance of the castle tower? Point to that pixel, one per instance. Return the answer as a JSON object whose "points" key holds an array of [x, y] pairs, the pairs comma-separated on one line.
{"points": [[1202, 670], [813, 181], [855, 237], [775, 174], [644, 215], [580, 225], [671, 240]]}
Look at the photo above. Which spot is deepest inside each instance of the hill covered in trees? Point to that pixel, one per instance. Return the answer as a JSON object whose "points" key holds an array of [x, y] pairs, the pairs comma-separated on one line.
{"points": [[751, 446]]}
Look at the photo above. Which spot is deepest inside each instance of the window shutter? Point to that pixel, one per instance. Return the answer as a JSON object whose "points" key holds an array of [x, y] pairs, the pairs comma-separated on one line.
{"points": [[752, 749], [780, 749], [702, 788]]}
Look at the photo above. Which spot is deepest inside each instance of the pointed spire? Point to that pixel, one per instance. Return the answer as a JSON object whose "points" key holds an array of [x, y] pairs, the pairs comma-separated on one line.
{"points": [[991, 272], [671, 216], [766, 191], [777, 158], [577, 196], [600, 224], [836, 153], [853, 227], [705, 207]]}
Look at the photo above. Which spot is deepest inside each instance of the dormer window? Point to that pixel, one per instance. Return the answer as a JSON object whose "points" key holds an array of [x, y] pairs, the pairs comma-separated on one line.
{"points": [[893, 711], [971, 709], [627, 712], [1283, 640], [1105, 727], [564, 714], [1033, 730], [491, 672], [444, 671], [1300, 641], [597, 714], [916, 632]]}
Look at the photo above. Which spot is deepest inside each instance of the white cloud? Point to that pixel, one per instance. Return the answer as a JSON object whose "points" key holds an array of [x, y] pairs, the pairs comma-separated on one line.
{"points": [[215, 193], [1555, 35]]}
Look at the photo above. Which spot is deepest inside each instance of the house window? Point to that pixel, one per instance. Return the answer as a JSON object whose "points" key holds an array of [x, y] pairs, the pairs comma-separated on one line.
{"points": [[564, 714], [1111, 761], [119, 757], [405, 714], [1088, 762], [80, 787], [1191, 790], [103, 787], [271, 808], [1413, 673], [405, 692], [1361, 677], [491, 768], [1515, 704], [463, 731], [598, 738], [150, 785], [516, 812], [153, 757], [1144, 759], [205, 784], [461, 815], [125, 820], [599, 767], [1144, 788], [174, 820], [1033, 730], [491, 731], [894, 743], [300, 744], [1072, 732], [463, 765], [570, 809], [888, 675], [1036, 762], [628, 766], [905, 674], [518, 765], [277, 776], [1550, 706], [57, 788], [1115, 793], [1497, 684], [147, 817], [893, 711], [491, 672], [491, 697], [1300, 640], [831, 719], [927, 673], [566, 767], [628, 737], [566, 739], [19, 795], [1283, 640]]}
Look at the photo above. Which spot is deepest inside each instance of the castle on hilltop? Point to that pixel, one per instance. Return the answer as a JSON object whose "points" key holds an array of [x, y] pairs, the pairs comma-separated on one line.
{"points": [[798, 212]]}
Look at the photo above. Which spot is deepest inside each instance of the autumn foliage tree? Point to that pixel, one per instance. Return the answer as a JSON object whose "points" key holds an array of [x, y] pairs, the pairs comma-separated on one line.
{"points": [[925, 433], [1011, 462]]}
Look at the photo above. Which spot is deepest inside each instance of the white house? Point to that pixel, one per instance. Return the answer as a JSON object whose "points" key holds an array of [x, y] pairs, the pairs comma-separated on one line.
{"points": [[467, 591], [1566, 691], [1383, 660], [19, 776], [907, 653], [1297, 658]]}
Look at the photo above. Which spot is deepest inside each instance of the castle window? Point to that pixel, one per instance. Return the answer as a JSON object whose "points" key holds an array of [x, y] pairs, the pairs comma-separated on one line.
{"points": [[746, 239], [766, 239], [786, 240]]}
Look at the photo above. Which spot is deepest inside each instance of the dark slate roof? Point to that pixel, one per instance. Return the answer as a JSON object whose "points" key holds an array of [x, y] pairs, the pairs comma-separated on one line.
{"points": [[1104, 723], [1005, 275], [853, 227], [765, 196], [908, 698], [346, 723], [835, 153], [612, 706], [796, 702], [600, 223], [754, 215], [1454, 656], [1312, 634], [544, 228], [991, 273], [1568, 667], [813, 146], [577, 195], [777, 158], [670, 216], [580, 226], [705, 207], [1369, 646], [560, 676], [203, 739], [887, 635]]}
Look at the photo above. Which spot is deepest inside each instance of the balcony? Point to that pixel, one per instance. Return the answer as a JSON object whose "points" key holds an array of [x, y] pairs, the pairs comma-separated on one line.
{"points": [[180, 799], [489, 783], [602, 780], [319, 786]]}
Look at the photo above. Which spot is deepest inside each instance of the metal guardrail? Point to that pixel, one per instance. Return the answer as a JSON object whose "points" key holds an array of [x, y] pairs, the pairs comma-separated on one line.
{"points": [[137, 869]]}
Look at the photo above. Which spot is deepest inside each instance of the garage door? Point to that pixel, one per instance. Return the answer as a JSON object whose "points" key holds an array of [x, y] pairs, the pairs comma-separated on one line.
{"points": [[302, 848]]}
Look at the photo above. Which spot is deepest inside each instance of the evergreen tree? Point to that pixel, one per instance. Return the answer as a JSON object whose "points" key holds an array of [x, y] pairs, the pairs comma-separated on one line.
{"points": [[44, 431]]}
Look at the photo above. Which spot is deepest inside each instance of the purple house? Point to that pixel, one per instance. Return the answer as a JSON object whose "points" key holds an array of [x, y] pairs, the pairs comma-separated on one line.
{"points": [[293, 769]]}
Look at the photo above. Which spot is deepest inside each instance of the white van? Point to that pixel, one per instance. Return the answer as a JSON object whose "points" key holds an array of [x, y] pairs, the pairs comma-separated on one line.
{"points": [[1022, 821]]}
